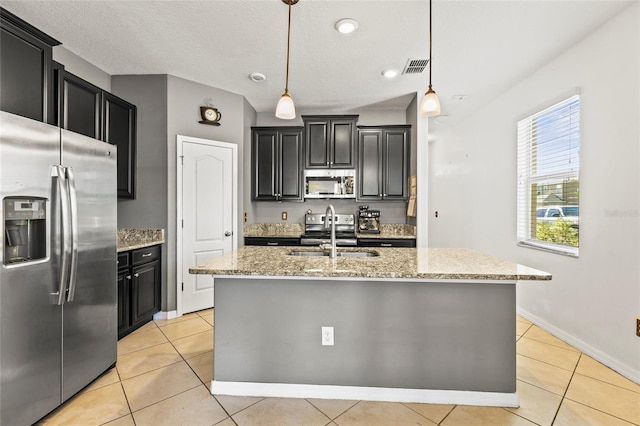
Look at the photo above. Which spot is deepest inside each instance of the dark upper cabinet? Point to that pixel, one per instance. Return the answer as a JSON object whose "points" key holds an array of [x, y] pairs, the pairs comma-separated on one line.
{"points": [[26, 87], [330, 141], [276, 157], [79, 105], [383, 162], [119, 128]]}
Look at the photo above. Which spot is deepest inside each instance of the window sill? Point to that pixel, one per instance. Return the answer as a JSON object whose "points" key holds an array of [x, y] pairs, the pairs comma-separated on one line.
{"points": [[550, 248]]}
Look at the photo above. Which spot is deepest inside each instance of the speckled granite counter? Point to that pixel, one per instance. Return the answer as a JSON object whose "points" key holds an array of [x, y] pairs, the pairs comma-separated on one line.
{"points": [[390, 230], [406, 263], [295, 230], [130, 239], [274, 230]]}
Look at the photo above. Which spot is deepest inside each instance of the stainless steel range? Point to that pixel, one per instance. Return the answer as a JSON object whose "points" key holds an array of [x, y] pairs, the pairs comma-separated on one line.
{"points": [[315, 232]]}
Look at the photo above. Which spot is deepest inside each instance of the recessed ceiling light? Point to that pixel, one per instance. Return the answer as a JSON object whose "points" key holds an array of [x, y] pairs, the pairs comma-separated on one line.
{"points": [[390, 73], [258, 77], [347, 25]]}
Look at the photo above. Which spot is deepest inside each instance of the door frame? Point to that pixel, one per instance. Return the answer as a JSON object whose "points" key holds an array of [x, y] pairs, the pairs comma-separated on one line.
{"points": [[180, 141]]}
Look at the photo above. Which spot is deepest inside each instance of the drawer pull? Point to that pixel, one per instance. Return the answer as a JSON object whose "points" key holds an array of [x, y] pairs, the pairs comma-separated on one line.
{"points": [[136, 275], [272, 243], [128, 277], [147, 254], [385, 245]]}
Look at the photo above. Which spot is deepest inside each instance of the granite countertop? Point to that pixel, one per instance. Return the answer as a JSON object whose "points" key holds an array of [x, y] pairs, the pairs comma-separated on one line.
{"points": [[274, 230], [295, 230], [390, 230], [416, 263], [130, 239]]}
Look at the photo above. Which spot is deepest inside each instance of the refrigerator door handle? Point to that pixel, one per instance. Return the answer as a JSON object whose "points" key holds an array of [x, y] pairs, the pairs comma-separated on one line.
{"points": [[65, 248], [73, 204]]}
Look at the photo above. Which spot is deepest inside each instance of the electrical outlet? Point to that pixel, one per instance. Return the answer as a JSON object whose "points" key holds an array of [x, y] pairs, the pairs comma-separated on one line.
{"points": [[284, 215], [638, 326], [327, 336]]}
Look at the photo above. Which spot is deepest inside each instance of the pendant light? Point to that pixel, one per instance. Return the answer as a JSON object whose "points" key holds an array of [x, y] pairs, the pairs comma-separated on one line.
{"points": [[430, 105], [285, 109]]}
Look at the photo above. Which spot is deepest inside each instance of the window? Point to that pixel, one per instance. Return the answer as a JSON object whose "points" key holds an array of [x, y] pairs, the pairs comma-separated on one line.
{"points": [[548, 178]]}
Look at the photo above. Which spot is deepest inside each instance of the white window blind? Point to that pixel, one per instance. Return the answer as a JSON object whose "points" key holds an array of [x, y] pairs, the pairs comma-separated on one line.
{"points": [[548, 178]]}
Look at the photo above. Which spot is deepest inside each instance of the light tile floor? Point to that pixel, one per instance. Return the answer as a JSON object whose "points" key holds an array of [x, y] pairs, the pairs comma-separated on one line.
{"points": [[164, 370]]}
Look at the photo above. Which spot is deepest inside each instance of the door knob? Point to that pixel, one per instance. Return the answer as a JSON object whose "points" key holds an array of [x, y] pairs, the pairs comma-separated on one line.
{"points": [[228, 234]]}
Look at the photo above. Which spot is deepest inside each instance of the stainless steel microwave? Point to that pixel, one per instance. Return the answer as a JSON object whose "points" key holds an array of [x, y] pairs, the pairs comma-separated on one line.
{"points": [[330, 183]]}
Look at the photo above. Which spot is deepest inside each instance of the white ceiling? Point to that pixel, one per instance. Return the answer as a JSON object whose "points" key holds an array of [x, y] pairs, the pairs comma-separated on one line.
{"points": [[480, 47]]}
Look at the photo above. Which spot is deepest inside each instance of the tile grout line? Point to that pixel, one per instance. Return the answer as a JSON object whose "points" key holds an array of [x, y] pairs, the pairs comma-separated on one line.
{"points": [[564, 395]]}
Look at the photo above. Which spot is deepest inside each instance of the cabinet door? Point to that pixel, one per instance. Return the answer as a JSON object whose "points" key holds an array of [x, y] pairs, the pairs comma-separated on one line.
{"points": [[145, 292], [290, 164], [396, 164], [342, 144], [120, 130], [369, 181], [317, 144], [80, 105], [124, 305], [263, 155], [25, 70]]}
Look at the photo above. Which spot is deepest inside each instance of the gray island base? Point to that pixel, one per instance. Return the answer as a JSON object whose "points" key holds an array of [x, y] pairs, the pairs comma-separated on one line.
{"points": [[420, 337]]}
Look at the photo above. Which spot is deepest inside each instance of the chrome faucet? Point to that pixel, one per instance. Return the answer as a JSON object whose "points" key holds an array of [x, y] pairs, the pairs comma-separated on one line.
{"points": [[330, 211]]}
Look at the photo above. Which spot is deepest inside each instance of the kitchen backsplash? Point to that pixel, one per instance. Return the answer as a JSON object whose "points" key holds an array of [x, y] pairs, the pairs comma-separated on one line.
{"points": [[270, 212]]}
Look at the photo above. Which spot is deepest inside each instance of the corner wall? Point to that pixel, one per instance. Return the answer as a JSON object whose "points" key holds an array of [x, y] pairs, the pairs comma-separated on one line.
{"points": [[593, 300], [149, 210]]}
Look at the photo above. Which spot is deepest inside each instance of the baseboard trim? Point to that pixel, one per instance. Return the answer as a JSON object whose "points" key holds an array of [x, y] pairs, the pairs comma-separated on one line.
{"points": [[582, 346], [287, 390], [165, 315]]}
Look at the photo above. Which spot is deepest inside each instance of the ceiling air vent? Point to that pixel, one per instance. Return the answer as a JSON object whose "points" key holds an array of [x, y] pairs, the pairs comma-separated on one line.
{"points": [[415, 66]]}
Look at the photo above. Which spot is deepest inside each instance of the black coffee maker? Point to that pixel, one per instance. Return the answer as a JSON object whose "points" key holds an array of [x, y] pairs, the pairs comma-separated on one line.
{"points": [[368, 220]]}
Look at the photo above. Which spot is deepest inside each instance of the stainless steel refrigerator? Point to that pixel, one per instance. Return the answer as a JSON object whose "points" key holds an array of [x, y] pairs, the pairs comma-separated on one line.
{"points": [[58, 310]]}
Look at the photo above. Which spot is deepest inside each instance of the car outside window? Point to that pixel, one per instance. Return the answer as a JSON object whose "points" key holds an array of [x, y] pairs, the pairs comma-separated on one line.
{"points": [[548, 178]]}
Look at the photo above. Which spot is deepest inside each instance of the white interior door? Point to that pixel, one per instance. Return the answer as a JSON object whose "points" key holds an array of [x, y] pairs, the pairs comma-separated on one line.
{"points": [[207, 214]]}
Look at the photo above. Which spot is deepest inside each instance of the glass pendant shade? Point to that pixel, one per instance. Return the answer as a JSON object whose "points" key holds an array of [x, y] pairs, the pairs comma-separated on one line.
{"points": [[430, 105], [285, 109]]}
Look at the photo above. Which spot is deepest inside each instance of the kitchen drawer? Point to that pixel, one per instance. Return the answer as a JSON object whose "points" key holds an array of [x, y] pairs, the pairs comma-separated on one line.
{"points": [[145, 255], [386, 242], [123, 260], [266, 241]]}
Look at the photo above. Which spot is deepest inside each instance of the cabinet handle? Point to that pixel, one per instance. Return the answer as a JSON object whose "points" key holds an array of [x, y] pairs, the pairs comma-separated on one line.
{"points": [[384, 195], [136, 275], [385, 245], [147, 254], [272, 243], [379, 195], [227, 234], [128, 277]]}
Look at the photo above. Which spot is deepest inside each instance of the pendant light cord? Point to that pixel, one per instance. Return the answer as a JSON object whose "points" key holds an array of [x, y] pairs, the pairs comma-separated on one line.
{"points": [[286, 85], [430, 43]]}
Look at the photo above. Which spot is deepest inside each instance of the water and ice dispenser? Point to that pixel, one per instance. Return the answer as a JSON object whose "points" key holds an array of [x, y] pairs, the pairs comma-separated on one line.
{"points": [[25, 229]]}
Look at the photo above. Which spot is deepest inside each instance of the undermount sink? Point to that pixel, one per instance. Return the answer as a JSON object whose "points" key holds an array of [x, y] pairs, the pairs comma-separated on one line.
{"points": [[338, 254]]}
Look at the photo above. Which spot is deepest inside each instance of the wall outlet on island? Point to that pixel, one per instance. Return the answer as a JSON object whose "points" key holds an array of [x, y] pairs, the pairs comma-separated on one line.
{"points": [[284, 216], [638, 326], [327, 336]]}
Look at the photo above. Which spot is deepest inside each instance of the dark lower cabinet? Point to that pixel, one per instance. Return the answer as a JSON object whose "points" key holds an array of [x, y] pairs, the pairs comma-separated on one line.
{"points": [[25, 66], [268, 241], [386, 242], [138, 288], [383, 162]]}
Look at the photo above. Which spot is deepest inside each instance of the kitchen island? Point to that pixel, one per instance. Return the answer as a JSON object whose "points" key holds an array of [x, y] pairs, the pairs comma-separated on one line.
{"points": [[410, 325]]}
